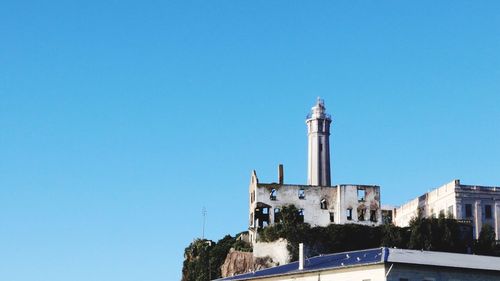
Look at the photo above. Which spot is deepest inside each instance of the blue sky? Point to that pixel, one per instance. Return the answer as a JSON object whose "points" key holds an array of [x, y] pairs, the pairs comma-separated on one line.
{"points": [[120, 120]]}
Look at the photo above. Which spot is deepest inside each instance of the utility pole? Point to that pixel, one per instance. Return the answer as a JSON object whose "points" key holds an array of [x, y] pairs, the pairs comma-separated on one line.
{"points": [[204, 214]]}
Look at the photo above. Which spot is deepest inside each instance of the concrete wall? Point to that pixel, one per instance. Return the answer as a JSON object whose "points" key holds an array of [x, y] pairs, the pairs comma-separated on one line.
{"points": [[347, 198], [394, 272], [479, 197], [276, 250], [430, 204], [359, 273], [310, 203], [455, 196], [430, 273], [338, 199]]}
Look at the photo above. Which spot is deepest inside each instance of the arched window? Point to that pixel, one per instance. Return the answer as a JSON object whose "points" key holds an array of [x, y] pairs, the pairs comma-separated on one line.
{"points": [[323, 204], [273, 194], [301, 215], [277, 215]]}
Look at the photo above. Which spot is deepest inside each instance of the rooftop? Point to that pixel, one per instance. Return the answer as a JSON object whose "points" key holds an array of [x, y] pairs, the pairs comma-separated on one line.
{"points": [[378, 256], [274, 184]]}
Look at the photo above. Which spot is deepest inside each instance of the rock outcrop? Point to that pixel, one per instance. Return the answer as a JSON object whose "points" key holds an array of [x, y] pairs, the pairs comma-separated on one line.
{"points": [[238, 262]]}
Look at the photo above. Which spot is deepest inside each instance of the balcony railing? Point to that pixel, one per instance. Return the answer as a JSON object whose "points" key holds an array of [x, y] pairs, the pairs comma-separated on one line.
{"points": [[325, 116]]}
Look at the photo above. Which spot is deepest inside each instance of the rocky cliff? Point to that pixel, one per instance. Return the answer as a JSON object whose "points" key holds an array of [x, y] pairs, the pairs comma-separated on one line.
{"points": [[238, 262]]}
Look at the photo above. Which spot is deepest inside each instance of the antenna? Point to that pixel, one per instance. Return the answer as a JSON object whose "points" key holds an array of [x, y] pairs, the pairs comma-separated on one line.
{"points": [[204, 214]]}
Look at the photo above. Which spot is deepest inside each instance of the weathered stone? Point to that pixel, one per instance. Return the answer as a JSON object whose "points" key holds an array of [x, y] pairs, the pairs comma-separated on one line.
{"points": [[237, 263]]}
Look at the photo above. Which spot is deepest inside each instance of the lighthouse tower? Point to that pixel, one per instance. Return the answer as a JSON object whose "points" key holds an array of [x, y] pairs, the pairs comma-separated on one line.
{"points": [[318, 132]]}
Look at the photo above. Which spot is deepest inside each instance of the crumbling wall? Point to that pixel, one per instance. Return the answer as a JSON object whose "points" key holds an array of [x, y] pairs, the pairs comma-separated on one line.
{"points": [[320, 205], [277, 251], [307, 198], [361, 200]]}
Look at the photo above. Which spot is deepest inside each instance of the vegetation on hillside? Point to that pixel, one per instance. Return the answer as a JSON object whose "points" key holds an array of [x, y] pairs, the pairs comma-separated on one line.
{"points": [[431, 234], [203, 258]]}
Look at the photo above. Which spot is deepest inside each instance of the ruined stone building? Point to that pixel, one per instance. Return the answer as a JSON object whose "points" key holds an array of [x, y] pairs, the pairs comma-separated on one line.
{"points": [[478, 204], [319, 202]]}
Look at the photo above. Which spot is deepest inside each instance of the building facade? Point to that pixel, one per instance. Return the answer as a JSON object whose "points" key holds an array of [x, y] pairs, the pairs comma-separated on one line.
{"points": [[479, 204], [318, 205]]}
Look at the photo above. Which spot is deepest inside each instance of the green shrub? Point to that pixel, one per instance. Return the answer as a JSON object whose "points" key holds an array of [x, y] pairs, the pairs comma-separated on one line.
{"points": [[203, 258]]}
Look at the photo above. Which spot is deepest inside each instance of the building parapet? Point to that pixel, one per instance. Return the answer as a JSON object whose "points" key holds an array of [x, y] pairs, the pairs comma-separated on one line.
{"points": [[479, 187]]}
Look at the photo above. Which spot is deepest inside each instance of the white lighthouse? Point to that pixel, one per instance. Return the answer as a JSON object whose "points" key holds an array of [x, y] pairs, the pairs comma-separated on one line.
{"points": [[318, 132]]}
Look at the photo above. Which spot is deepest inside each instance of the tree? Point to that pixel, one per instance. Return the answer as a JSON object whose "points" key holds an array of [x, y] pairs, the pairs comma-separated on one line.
{"points": [[442, 234], [393, 236], [196, 261], [293, 229], [218, 255], [485, 244], [290, 217], [418, 234], [203, 258]]}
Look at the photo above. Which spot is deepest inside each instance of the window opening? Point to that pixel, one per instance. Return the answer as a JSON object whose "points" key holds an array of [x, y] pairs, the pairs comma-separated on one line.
{"points": [[349, 214], [277, 215], [361, 195], [468, 210], [323, 204], [302, 194], [273, 194], [387, 216], [361, 214], [332, 217], [301, 215], [487, 212], [261, 216], [373, 215]]}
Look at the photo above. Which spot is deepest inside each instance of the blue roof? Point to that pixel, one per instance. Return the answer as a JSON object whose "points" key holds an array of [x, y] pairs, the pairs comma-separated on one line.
{"points": [[330, 261], [377, 256]]}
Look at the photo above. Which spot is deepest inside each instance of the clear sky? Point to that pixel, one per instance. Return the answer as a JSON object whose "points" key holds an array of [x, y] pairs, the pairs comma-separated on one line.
{"points": [[120, 120]]}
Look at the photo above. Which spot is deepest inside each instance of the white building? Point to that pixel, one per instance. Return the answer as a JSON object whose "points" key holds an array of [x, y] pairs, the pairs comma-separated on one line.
{"points": [[319, 203], [480, 204], [382, 264]]}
